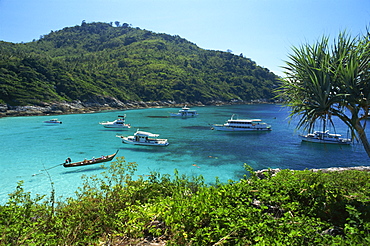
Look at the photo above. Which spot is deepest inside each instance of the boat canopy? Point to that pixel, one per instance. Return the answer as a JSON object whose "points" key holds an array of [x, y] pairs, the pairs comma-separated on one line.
{"points": [[234, 117], [240, 121], [146, 134]]}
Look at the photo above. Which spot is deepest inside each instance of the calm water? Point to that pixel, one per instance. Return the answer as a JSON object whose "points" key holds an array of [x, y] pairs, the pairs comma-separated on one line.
{"points": [[28, 146]]}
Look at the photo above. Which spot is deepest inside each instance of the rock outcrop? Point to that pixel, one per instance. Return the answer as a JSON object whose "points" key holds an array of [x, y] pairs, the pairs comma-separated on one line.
{"points": [[264, 173], [98, 104]]}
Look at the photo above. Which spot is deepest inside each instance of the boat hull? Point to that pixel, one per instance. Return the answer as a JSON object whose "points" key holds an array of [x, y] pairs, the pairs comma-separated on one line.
{"points": [[91, 162], [325, 141], [144, 138], [119, 123], [117, 126], [241, 125], [157, 142], [183, 115], [185, 112], [239, 129], [52, 122]]}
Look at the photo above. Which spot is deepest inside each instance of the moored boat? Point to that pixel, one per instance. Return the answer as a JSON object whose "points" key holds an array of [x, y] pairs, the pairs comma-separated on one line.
{"points": [[144, 138], [91, 161], [325, 137], [185, 112], [118, 123], [53, 121], [235, 124]]}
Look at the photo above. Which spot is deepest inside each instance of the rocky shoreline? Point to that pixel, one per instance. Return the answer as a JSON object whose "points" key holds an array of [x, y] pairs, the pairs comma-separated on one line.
{"points": [[262, 174], [78, 107]]}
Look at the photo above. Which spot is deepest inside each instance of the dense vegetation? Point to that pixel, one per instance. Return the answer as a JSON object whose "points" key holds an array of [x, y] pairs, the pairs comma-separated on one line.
{"points": [[326, 80], [290, 208], [97, 60]]}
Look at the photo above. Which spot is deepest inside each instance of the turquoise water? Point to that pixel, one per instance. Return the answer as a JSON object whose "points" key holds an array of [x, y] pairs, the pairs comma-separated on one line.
{"points": [[28, 146]]}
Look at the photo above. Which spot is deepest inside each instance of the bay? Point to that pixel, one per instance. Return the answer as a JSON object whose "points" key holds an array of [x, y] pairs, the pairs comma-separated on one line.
{"points": [[29, 146]]}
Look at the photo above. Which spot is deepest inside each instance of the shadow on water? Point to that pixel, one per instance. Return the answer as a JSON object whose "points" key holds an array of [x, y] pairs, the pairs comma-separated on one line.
{"points": [[241, 133], [81, 153], [241, 175], [50, 125], [324, 146], [135, 128], [114, 129], [148, 149], [83, 169], [197, 127], [154, 116], [329, 151]]}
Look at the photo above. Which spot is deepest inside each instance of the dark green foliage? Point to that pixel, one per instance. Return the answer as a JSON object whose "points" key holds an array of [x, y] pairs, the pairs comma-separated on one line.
{"points": [[291, 208], [97, 60], [326, 81]]}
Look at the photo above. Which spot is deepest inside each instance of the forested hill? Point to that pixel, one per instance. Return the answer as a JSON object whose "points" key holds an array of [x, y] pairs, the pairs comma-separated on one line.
{"points": [[98, 61]]}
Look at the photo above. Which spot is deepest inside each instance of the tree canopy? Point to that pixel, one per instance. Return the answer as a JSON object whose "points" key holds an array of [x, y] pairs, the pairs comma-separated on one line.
{"points": [[98, 60], [324, 81]]}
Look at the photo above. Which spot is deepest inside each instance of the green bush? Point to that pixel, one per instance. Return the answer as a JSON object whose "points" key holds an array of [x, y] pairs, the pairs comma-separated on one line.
{"points": [[289, 208]]}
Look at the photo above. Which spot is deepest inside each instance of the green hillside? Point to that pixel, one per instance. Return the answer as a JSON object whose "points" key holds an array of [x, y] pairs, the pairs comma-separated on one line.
{"points": [[97, 61]]}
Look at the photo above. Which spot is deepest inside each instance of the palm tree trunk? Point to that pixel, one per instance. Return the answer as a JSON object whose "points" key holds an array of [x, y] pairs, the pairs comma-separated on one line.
{"points": [[362, 135]]}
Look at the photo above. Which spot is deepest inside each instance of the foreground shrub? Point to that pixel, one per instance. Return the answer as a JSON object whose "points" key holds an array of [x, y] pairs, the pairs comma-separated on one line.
{"points": [[290, 208]]}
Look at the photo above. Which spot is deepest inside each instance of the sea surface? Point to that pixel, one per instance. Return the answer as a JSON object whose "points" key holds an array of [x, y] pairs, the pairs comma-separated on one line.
{"points": [[28, 146]]}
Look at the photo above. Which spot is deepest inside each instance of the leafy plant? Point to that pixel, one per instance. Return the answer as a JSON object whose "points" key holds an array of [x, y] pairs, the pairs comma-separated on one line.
{"points": [[287, 208]]}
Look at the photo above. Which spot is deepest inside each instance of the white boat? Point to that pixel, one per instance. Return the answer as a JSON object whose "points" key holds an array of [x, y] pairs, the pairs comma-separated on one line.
{"points": [[53, 121], [118, 123], [144, 138], [325, 137], [185, 112], [235, 124]]}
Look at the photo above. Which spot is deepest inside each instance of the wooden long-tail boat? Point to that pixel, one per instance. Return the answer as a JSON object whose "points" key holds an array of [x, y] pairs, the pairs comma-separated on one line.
{"points": [[91, 161]]}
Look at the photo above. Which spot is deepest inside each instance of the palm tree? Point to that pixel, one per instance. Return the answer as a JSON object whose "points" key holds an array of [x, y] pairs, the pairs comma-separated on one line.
{"points": [[324, 81]]}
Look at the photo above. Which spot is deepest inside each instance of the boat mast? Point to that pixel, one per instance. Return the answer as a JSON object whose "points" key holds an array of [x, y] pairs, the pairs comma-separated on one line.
{"points": [[324, 125]]}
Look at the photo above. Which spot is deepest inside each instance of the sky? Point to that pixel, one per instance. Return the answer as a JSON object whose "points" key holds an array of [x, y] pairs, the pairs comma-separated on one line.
{"points": [[262, 30]]}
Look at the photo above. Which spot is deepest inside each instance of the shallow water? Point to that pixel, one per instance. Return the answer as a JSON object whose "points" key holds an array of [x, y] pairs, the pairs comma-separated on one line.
{"points": [[29, 146]]}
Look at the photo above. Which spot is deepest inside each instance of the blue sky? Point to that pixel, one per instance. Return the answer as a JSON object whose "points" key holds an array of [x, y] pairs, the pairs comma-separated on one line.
{"points": [[263, 30]]}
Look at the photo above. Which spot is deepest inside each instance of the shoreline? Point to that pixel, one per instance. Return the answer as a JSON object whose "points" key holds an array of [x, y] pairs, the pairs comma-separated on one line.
{"points": [[78, 107], [261, 174]]}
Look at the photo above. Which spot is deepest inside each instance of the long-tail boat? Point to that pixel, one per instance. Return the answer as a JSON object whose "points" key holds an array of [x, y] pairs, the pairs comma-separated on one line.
{"points": [[91, 161]]}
